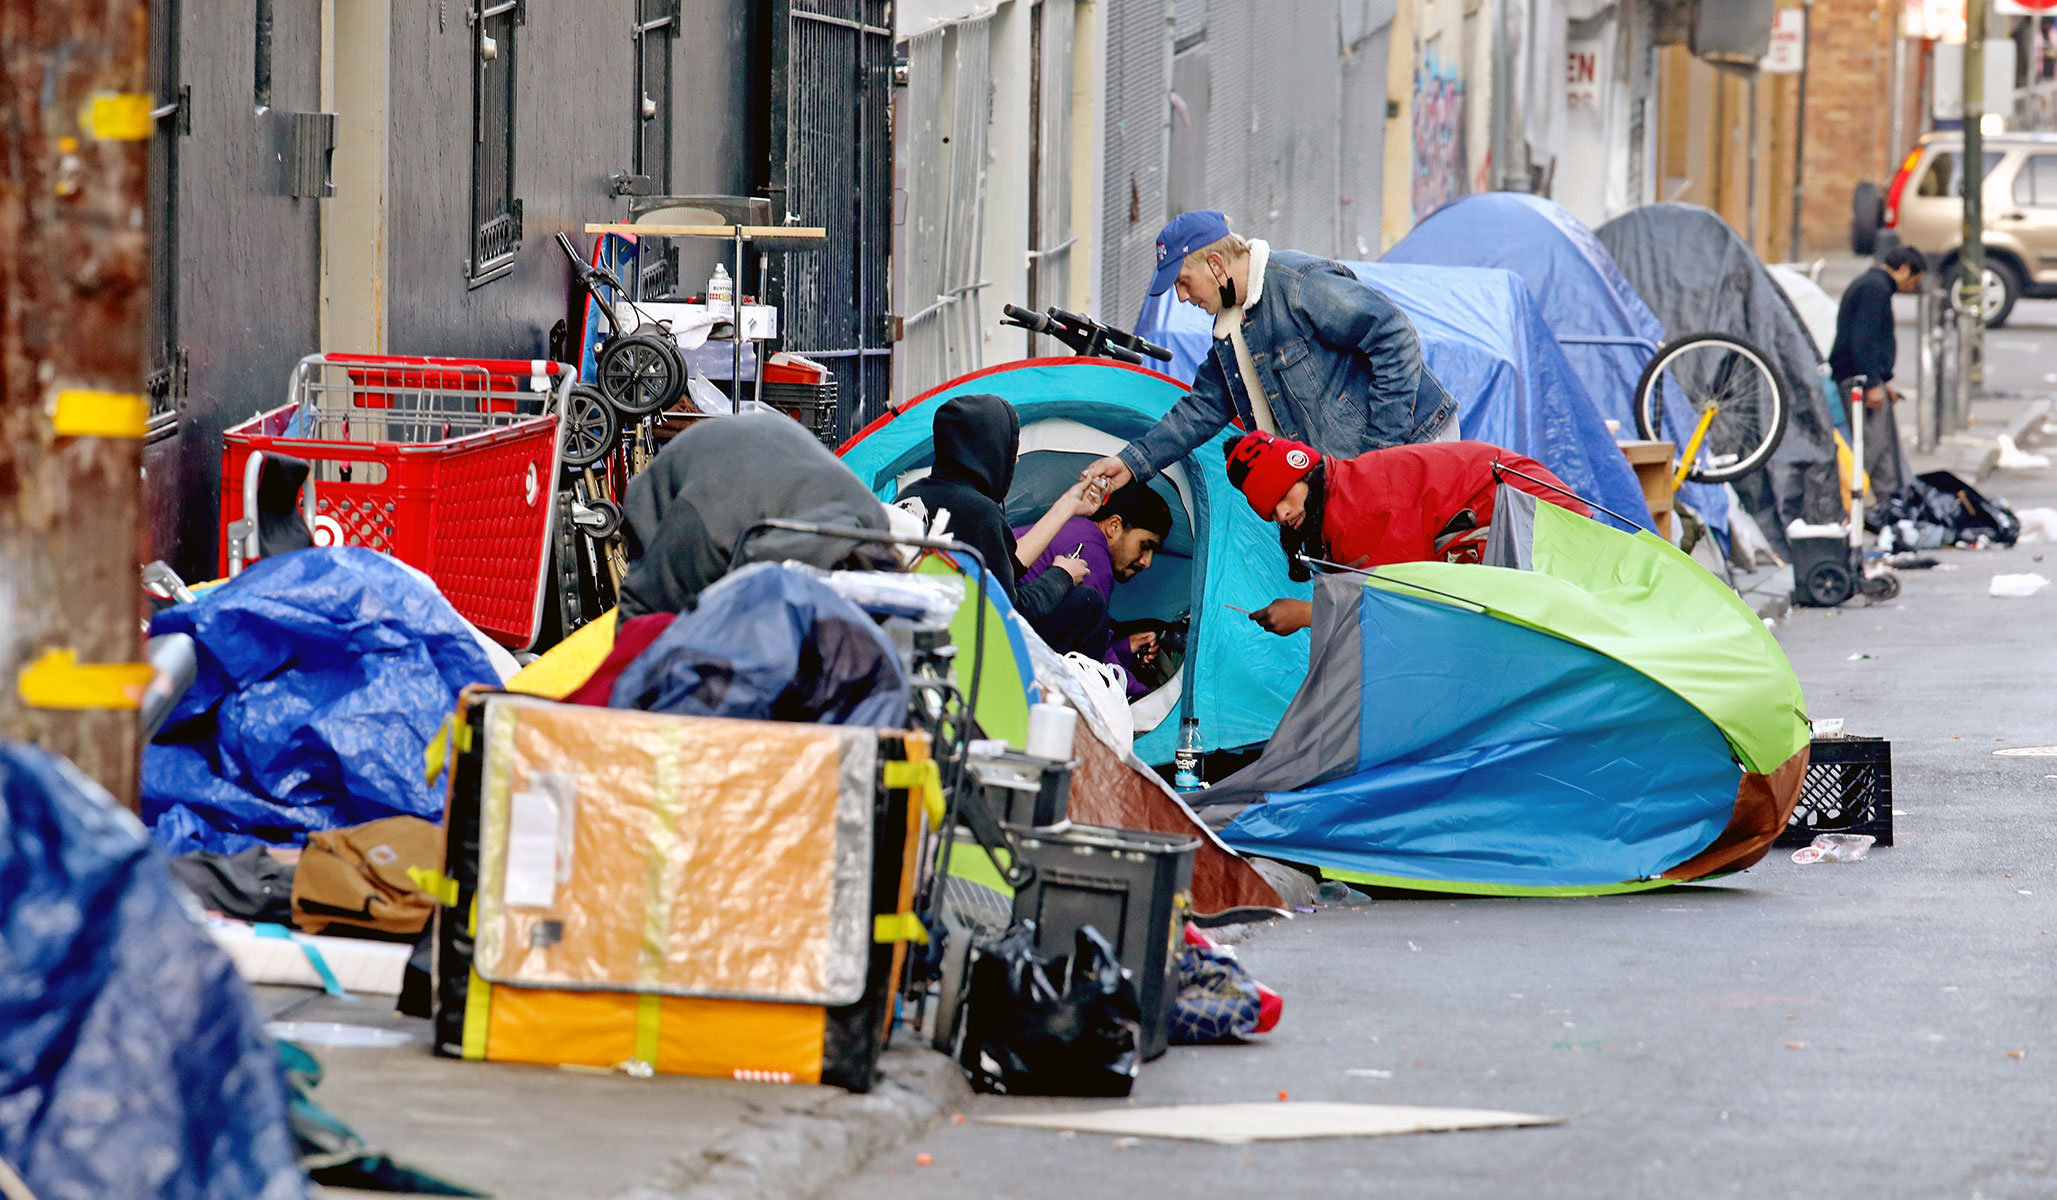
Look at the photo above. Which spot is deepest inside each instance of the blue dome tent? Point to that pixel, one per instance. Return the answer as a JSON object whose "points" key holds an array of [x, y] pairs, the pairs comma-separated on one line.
{"points": [[1483, 336], [1073, 410], [1606, 331]]}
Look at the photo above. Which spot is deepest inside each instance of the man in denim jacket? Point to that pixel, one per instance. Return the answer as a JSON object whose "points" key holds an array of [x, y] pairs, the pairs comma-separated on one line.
{"points": [[1302, 349]]}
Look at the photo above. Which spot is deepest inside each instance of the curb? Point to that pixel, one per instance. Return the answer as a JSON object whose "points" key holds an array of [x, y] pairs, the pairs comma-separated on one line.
{"points": [[2022, 426], [792, 1155]]}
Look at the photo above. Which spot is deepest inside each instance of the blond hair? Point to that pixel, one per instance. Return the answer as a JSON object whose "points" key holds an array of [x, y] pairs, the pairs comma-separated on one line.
{"points": [[1232, 247]]}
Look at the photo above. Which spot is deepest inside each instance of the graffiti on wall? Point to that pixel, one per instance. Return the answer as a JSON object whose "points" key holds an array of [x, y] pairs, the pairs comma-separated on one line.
{"points": [[1439, 159]]}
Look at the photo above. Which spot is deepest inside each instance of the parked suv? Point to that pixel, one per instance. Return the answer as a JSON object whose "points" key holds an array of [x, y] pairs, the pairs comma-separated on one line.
{"points": [[1924, 210]]}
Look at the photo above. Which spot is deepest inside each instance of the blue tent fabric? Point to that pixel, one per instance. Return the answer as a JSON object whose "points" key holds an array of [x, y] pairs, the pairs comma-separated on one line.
{"points": [[131, 1060], [1606, 331], [770, 643], [1247, 676], [1516, 784], [323, 675], [1482, 335]]}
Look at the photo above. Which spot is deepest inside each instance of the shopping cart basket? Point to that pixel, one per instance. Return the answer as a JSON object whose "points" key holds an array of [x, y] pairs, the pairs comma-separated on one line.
{"points": [[448, 464]]}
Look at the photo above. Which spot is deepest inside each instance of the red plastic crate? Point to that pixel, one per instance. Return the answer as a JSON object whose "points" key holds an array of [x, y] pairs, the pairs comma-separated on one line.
{"points": [[461, 485]]}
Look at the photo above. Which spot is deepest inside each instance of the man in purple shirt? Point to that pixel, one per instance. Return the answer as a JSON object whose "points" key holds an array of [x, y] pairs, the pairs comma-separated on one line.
{"points": [[1115, 542]]}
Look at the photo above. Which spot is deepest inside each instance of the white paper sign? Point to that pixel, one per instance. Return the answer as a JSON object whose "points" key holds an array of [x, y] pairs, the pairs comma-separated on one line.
{"points": [[535, 826], [1788, 43]]}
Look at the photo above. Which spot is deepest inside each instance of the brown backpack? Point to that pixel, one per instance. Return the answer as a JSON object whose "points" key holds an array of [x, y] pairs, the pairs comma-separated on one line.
{"points": [[358, 877]]}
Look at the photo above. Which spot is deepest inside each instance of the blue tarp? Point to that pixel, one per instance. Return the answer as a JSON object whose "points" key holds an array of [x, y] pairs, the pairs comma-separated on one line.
{"points": [[1606, 331], [1483, 337], [1515, 784], [131, 1061], [323, 675], [769, 643]]}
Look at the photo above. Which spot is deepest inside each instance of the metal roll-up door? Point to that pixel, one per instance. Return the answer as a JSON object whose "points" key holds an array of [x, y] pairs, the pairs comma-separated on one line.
{"points": [[1364, 146], [1138, 76]]}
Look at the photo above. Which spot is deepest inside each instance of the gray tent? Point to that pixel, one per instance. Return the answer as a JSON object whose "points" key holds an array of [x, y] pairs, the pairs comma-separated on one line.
{"points": [[1699, 277]]}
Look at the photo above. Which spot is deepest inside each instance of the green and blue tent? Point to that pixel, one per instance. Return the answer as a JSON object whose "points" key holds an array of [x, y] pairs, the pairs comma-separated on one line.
{"points": [[1591, 713]]}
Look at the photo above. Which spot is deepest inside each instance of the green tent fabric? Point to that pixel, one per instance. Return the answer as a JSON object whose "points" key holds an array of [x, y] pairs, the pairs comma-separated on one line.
{"points": [[1006, 678]]}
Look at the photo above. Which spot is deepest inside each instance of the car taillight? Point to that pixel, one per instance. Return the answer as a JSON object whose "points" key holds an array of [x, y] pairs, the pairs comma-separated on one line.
{"points": [[1899, 186]]}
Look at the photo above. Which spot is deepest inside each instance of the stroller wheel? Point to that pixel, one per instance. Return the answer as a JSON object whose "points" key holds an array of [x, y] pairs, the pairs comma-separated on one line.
{"points": [[591, 427], [662, 336], [639, 374], [601, 519]]}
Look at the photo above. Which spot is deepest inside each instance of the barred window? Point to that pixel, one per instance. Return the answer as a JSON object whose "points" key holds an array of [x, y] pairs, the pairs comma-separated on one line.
{"points": [[495, 213], [657, 23]]}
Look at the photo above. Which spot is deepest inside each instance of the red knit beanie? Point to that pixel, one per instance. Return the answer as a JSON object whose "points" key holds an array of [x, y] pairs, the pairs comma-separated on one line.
{"points": [[1267, 467]]}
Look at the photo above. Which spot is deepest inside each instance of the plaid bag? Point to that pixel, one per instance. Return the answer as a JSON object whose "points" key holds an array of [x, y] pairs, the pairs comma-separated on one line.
{"points": [[1217, 998]]}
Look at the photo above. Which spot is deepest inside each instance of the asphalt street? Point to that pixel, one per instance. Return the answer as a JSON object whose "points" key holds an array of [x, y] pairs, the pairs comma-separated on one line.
{"points": [[1881, 1028]]}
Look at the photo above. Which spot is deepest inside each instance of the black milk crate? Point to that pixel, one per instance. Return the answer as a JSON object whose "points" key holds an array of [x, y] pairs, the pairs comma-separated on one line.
{"points": [[813, 405], [1031, 792], [1848, 789], [1133, 887]]}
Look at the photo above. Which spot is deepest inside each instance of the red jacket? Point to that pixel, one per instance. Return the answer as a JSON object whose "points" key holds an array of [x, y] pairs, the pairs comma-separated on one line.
{"points": [[1410, 503]]}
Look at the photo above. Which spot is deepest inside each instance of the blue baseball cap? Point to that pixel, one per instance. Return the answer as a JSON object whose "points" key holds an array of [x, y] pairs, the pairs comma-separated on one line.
{"points": [[1182, 235]]}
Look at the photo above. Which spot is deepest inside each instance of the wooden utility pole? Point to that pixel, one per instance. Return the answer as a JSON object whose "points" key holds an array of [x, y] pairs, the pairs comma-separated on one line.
{"points": [[74, 119]]}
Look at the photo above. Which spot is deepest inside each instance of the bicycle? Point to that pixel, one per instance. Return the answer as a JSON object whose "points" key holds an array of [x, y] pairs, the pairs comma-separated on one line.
{"points": [[1086, 337], [1740, 405]]}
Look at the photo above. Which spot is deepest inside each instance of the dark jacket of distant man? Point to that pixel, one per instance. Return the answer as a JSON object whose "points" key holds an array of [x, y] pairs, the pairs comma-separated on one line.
{"points": [[1865, 345]]}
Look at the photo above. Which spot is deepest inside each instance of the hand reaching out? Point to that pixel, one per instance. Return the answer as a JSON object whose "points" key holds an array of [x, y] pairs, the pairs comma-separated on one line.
{"points": [[1284, 616], [1110, 473]]}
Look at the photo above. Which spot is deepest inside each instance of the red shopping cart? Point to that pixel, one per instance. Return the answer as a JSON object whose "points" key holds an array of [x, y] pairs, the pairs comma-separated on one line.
{"points": [[450, 465]]}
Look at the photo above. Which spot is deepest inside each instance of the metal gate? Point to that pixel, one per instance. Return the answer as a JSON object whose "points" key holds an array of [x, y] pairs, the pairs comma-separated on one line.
{"points": [[832, 166]]}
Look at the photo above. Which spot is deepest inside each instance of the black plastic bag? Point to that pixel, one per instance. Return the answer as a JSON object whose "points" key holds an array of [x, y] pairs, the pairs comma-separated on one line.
{"points": [[1960, 512], [1026, 1036]]}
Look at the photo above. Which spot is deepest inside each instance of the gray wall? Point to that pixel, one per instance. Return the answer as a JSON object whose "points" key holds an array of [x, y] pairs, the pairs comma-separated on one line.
{"points": [[573, 126], [248, 257]]}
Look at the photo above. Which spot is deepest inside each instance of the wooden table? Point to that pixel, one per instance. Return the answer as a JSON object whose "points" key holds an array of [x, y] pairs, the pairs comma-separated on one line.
{"points": [[1653, 463]]}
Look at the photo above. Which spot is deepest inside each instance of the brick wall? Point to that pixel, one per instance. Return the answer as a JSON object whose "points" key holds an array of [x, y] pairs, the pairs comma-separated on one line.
{"points": [[1849, 122]]}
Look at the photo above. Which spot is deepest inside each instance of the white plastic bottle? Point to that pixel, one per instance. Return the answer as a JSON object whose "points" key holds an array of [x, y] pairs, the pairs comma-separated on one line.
{"points": [[721, 290]]}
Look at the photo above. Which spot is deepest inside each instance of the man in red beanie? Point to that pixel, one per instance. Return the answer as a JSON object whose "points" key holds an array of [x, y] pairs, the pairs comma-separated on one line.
{"points": [[1424, 503]]}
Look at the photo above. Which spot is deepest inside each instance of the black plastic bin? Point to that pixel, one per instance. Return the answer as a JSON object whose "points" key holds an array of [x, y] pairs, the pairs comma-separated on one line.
{"points": [[1133, 887], [1824, 574], [1848, 789]]}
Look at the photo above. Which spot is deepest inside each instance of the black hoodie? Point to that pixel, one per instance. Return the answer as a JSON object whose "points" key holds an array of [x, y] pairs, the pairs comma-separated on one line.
{"points": [[977, 438], [718, 478]]}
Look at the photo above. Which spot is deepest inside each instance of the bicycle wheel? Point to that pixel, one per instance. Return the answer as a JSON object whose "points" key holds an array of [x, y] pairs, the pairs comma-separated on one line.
{"points": [[1725, 383]]}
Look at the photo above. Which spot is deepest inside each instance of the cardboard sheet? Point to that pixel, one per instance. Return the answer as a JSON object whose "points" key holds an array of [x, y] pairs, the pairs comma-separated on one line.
{"points": [[1235, 1124]]}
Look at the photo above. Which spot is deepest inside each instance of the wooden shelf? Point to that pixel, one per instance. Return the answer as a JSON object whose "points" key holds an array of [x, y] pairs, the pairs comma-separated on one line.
{"points": [[750, 233]]}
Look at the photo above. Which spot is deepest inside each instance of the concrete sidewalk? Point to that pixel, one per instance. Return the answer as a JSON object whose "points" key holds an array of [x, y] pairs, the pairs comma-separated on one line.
{"points": [[541, 1133]]}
